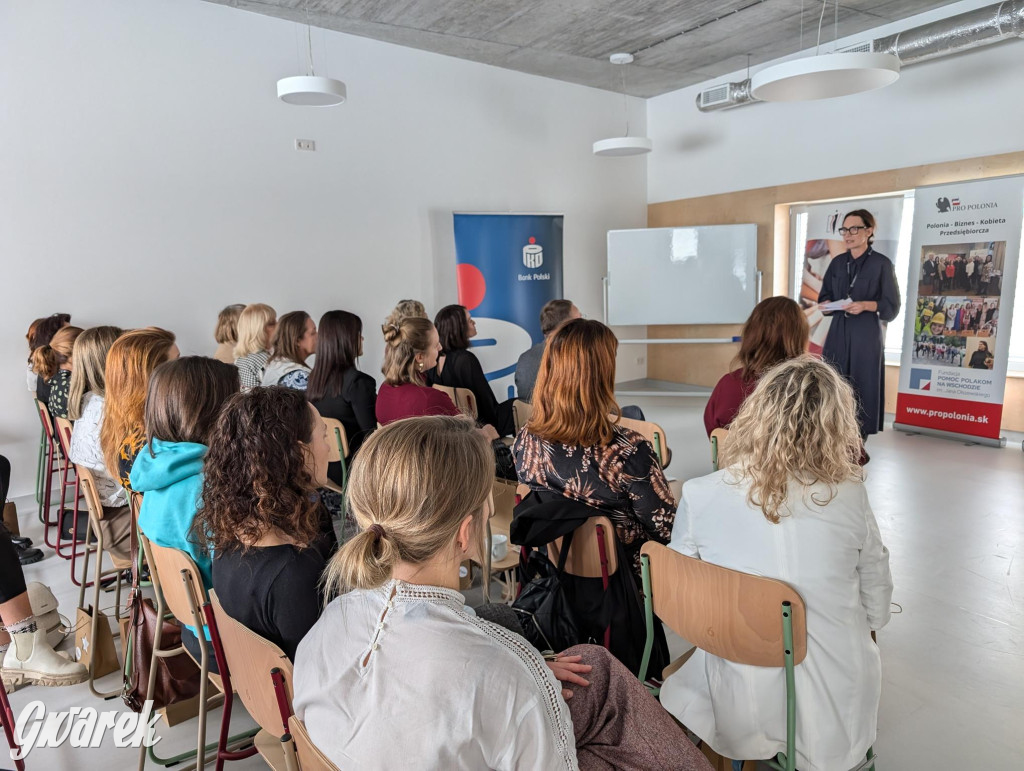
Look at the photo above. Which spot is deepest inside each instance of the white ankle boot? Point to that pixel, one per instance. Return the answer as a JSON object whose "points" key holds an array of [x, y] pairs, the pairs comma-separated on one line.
{"points": [[30, 659]]}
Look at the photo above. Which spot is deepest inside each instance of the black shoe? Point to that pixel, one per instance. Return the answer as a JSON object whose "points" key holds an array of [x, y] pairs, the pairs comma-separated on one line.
{"points": [[28, 556], [19, 540]]}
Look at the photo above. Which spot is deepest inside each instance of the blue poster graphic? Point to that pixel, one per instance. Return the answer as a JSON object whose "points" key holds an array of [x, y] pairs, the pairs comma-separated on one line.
{"points": [[507, 267]]}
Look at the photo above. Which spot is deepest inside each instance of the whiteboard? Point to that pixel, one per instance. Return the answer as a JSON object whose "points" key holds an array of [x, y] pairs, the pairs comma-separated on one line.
{"points": [[698, 275]]}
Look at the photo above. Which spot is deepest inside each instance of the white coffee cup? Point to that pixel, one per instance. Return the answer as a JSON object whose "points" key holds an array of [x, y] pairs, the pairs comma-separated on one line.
{"points": [[499, 547]]}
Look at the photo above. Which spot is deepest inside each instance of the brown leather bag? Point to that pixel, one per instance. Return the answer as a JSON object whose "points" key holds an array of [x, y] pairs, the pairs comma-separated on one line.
{"points": [[177, 677]]}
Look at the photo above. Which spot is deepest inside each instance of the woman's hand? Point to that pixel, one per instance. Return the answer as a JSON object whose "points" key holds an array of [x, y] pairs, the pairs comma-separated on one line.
{"points": [[859, 307], [490, 432], [567, 669]]}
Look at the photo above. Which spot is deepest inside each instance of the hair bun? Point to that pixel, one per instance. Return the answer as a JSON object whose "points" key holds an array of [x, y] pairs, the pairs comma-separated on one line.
{"points": [[392, 334]]}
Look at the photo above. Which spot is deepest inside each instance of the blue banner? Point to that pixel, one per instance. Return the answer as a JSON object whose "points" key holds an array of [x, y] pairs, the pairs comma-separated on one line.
{"points": [[507, 267]]}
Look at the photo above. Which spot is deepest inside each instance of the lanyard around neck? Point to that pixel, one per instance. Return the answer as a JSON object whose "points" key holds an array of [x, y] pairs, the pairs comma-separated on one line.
{"points": [[853, 275]]}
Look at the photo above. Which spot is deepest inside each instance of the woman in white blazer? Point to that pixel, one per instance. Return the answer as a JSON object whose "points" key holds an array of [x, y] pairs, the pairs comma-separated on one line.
{"points": [[790, 504]]}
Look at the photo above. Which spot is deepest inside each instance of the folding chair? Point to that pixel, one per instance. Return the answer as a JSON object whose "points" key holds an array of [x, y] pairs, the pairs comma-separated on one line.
{"points": [[338, 451], [718, 437], [53, 463], [310, 756], [261, 674], [736, 616], [521, 412], [462, 398], [654, 434], [63, 430], [592, 554]]}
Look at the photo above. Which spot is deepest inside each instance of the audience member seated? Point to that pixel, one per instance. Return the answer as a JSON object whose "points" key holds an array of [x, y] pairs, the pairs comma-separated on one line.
{"points": [[776, 331], [336, 386], [130, 363], [256, 324], [185, 397], [790, 503], [85, 408], [40, 333], [398, 672], [572, 447], [226, 333], [260, 515], [552, 315], [294, 342], [458, 367], [53, 363], [412, 348]]}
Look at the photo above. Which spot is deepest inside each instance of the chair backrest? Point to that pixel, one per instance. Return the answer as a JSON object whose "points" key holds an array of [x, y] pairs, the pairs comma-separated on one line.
{"points": [[718, 437], [462, 398], [45, 419], [337, 440], [732, 615], [521, 412], [584, 557], [87, 484], [165, 566], [250, 661], [310, 756], [653, 433], [63, 432]]}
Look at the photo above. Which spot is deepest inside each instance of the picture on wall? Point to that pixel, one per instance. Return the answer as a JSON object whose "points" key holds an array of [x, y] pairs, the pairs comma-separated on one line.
{"points": [[965, 269]]}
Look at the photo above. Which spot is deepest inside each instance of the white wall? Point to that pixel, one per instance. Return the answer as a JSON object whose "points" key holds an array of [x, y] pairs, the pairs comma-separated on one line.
{"points": [[960, 107], [148, 175]]}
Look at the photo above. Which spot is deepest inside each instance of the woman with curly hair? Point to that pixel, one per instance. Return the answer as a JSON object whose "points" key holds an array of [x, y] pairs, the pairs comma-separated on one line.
{"points": [[261, 515], [572, 444], [790, 503]]}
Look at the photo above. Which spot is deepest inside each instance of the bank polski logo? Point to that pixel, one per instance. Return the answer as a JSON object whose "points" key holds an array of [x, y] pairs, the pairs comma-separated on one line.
{"points": [[921, 379], [533, 254]]}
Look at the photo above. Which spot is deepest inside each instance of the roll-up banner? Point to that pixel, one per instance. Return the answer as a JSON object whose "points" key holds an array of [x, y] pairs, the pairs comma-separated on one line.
{"points": [[963, 269], [507, 266], [823, 243]]}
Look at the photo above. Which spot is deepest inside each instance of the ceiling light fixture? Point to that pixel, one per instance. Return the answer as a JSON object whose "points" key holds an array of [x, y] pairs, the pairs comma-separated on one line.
{"points": [[624, 145], [311, 89], [825, 76]]}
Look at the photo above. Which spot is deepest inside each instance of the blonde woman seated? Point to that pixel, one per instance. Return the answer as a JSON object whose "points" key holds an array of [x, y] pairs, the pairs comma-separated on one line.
{"points": [[398, 673], [790, 503], [256, 325]]}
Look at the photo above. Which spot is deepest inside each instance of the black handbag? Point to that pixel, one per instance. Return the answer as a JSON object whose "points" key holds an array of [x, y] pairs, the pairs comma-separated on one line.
{"points": [[543, 607]]}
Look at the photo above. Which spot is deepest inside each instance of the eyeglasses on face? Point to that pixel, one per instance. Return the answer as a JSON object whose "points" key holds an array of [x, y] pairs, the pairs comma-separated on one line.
{"points": [[852, 231]]}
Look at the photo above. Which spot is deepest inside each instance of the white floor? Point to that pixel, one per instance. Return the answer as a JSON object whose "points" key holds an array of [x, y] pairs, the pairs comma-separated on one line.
{"points": [[953, 660]]}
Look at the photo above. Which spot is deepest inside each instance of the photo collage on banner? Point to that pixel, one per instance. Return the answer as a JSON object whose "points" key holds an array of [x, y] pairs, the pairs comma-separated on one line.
{"points": [[963, 263], [824, 243], [507, 267]]}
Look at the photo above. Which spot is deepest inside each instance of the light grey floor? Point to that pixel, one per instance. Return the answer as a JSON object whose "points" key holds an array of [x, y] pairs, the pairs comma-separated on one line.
{"points": [[953, 660]]}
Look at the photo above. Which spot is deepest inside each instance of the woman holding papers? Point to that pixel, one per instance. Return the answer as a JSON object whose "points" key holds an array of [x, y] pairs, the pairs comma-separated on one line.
{"points": [[860, 292]]}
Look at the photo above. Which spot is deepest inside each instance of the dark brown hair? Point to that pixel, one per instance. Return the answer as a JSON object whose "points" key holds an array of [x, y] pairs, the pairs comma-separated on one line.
{"points": [[575, 391], [42, 330], [867, 218], [776, 331], [553, 313], [185, 397], [290, 329], [452, 328], [337, 348], [255, 472]]}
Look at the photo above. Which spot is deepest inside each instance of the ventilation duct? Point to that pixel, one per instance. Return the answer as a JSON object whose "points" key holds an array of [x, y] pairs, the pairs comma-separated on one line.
{"points": [[963, 32]]}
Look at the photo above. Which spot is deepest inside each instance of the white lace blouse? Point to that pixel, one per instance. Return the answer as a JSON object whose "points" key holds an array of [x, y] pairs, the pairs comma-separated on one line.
{"points": [[85, 451], [404, 677]]}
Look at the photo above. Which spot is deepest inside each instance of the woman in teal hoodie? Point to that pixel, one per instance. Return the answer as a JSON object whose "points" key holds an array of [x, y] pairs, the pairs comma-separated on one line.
{"points": [[182, 405]]}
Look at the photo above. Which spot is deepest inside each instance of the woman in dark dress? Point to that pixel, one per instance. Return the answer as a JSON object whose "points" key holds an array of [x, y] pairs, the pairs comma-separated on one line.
{"points": [[458, 367], [981, 358], [854, 345]]}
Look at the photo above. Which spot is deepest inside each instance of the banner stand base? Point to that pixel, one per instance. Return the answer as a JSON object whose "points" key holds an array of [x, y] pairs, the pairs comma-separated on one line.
{"points": [[969, 438]]}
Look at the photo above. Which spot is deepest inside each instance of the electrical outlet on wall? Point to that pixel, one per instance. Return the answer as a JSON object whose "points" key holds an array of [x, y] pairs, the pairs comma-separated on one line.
{"points": [[641, 359], [305, 144]]}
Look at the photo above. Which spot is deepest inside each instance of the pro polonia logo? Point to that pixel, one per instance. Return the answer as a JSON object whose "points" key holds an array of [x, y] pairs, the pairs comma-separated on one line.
{"points": [[921, 379], [533, 254]]}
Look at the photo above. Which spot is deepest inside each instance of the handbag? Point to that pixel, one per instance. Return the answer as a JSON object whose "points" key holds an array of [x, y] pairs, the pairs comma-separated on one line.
{"points": [[177, 677], [543, 606]]}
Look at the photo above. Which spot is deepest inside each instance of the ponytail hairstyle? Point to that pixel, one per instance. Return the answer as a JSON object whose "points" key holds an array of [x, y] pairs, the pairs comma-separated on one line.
{"points": [[413, 483], [404, 341], [47, 358], [90, 356]]}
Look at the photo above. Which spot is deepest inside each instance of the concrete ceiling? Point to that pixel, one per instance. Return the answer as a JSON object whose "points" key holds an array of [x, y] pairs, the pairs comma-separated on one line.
{"points": [[676, 44]]}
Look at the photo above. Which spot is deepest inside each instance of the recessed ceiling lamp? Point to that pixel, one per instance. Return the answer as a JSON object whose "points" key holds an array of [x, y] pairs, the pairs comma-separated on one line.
{"points": [[624, 145], [311, 89], [827, 75]]}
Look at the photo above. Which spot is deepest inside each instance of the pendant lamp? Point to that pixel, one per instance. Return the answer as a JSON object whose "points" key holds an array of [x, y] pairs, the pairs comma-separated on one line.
{"points": [[624, 145], [311, 89]]}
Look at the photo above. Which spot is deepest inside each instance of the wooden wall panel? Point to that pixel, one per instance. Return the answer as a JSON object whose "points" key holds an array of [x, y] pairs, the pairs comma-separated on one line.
{"points": [[766, 207]]}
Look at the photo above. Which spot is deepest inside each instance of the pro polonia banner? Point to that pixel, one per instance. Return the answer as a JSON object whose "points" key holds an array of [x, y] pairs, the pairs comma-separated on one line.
{"points": [[963, 269], [507, 266], [822, 243]]}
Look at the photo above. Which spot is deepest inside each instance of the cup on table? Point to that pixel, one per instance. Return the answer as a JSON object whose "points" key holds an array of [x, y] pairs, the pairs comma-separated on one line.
{"points": [[499, 547]]}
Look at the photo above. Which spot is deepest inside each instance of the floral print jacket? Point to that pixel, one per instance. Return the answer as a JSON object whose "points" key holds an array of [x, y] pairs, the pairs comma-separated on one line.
{"points": [[623, 479]]}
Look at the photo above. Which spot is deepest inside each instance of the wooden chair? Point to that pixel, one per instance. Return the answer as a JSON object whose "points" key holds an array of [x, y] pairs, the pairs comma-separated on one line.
{"points": [[592, 554], [261, 675], [653, 433], [7, 718], [53, 463], [338, 451], [310, 756], [62, 431], [504, 497], [718, 437], [92, 528], [462, 398], [739, 617], [521, 412]]}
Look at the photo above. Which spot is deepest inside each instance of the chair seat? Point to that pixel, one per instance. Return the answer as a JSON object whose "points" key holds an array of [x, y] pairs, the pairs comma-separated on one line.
{"points": [[271, 750]]}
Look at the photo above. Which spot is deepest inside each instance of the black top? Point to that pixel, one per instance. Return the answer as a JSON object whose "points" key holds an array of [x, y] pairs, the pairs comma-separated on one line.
{"points": [[42, 390], [272, 590], [355, 407], [462, 370], [978, 359]]}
